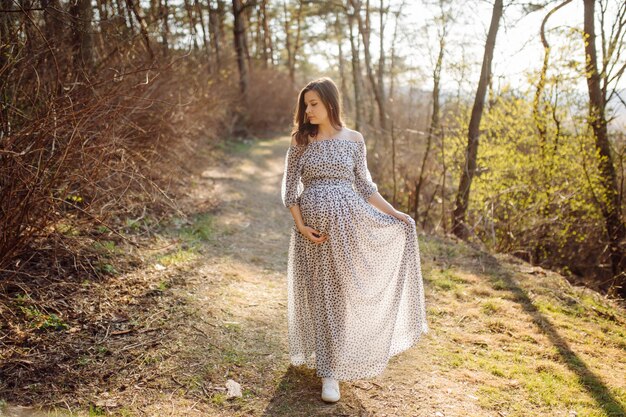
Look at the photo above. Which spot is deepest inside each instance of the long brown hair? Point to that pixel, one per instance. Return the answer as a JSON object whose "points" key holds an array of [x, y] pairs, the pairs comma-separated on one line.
{"points": [[329, 94]]}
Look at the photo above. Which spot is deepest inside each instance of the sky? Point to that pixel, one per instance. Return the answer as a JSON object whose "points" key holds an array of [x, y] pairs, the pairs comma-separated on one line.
{"points": [[518, 45]]}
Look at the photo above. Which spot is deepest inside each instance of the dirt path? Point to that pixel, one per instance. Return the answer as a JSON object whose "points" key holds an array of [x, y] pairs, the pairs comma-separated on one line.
{"points": [[506, 339], [253, 227]]}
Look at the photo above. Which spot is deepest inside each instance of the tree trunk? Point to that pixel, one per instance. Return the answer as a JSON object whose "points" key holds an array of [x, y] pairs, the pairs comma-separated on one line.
{"points": [[246, 17], [215, 32], [240, 49], [53, 18], [434, 120], [392, 76], [127, 15], [269, 42], [192, 23], [267, 38], [154, 13], [541, 123], [377, 89], [205, 42], [165, 32], [356, 74], [132, 6], [292, 51], [82, 33], [610, 204], [459, 227], [343, 87]]}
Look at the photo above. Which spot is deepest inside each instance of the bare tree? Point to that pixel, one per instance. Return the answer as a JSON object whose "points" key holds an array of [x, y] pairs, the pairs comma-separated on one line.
{"points": [[538, 113], [392, 74], [239, 34], [132, 6], [356, 71], [192, 23], [343, 86], [292, 49], [165, 31], [443, 20], [610, 205], [82, 33], [205, 41], [215, 29], [459, 228], [375, 81], [266, 43]]}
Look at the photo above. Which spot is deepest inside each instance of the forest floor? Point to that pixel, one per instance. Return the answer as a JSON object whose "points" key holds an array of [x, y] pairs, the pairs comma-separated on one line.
{"points": [[210, 304]]}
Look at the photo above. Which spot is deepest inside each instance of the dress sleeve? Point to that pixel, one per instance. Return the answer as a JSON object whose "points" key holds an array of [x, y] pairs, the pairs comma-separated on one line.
{"points": [[292, 185], [362, 177]]}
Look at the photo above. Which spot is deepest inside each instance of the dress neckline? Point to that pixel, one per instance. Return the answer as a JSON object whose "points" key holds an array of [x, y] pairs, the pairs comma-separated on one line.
{"points": [[331, 139], [326, 140]]}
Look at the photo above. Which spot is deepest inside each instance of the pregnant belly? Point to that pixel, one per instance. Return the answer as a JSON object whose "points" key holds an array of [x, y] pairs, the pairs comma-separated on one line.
{"points": [[324, 205]]}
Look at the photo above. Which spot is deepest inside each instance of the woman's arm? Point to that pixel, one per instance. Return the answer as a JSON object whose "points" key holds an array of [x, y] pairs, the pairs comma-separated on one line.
{"points": [[381, 204], [367, 187], [289, 192], [297, 216]]}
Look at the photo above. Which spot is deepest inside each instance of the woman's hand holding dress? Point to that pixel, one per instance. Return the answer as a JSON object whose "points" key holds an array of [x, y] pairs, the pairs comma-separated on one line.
{"points": [[368, 188]]}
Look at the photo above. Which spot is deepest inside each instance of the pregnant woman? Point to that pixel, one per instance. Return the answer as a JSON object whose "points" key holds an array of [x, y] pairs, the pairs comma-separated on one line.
{"points": [[355, 289]]}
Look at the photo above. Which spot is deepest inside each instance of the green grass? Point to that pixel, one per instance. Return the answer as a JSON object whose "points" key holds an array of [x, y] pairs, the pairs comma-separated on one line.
{"points": [[538, 347], [491, 307], [444, 279], [96, 411], [178, 257], [42, 321], [192, 235], [201, 229], [236, 146]]}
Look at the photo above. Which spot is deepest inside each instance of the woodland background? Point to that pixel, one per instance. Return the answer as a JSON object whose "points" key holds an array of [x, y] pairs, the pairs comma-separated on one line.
{"points": [[139, 268], [103, 101]]}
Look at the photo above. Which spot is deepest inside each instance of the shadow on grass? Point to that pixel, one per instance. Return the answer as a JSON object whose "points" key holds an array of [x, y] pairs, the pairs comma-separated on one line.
{"points": [[587, 379]]}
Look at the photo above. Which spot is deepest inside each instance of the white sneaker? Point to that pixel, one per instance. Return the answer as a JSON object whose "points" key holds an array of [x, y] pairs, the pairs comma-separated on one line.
{"points": [[330, 390]]}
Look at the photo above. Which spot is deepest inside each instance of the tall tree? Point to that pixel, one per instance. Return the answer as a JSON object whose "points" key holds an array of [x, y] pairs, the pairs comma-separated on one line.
{"points": [[538, 110], [215, 30], [343, 85], [392, 80], [165, 31], [192, 23], [610, 205], [375, 81], [205, 41], [442, 20], [136, 11], [356, 71], [52, 15], [82, 33], [292, 45], [239, 31], [459, 228], [268, 47]]}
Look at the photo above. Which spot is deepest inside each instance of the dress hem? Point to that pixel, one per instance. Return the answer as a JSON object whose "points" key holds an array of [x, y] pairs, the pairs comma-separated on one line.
{"points": [[366, 375]]}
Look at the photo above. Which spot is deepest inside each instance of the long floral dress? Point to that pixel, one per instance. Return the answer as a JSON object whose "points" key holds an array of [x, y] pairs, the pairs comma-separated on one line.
{"points": [[357, 299]]}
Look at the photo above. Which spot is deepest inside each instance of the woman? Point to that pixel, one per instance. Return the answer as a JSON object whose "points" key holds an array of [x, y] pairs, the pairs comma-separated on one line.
{"points": [[355, 290]]}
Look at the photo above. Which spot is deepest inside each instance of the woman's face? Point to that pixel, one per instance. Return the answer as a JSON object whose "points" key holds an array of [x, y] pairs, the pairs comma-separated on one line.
{"points": [[314, 108]]}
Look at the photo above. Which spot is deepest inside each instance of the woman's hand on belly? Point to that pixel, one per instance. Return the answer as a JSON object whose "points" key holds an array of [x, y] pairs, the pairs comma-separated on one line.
{"points": [[312, 234]]}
